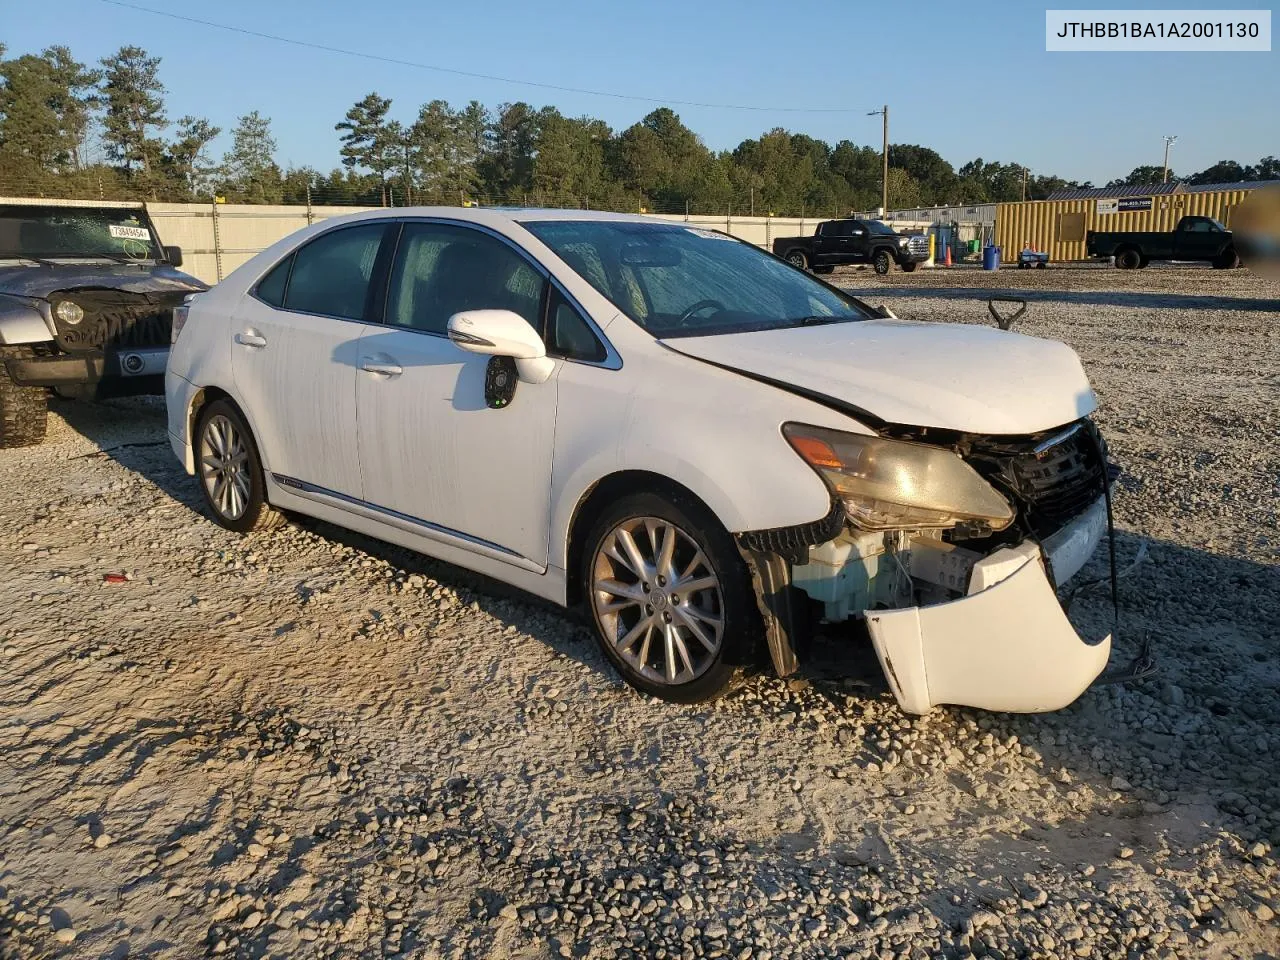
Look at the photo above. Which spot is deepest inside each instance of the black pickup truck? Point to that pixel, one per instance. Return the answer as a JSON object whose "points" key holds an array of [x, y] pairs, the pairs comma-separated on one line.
{"points": [[838, 242], [1196, 238]]}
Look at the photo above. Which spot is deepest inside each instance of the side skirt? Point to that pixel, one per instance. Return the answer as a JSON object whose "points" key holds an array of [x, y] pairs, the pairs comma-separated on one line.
{"points": [[548, 584]]}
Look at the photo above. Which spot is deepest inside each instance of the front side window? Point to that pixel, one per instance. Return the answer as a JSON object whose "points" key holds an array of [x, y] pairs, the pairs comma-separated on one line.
{"points": [[332, 275], [568, 334], [678, 281], [443, 269]]}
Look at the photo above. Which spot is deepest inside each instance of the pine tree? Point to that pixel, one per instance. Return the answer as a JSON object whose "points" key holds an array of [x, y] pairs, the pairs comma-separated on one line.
{"points": [[366, 141], [133, 95]]}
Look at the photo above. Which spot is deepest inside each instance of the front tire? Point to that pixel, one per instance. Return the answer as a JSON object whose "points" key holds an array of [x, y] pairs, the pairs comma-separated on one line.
{"points": [[24, 411], [882, 262], [230, 471], [669, 596], [1227, 261]]}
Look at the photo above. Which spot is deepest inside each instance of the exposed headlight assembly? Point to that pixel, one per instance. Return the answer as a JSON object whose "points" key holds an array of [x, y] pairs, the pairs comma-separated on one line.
{"points": [[69, 311], [891, 484]]}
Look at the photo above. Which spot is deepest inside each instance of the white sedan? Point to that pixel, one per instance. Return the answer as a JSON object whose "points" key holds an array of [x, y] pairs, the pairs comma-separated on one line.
{"points": [[701, 444]]}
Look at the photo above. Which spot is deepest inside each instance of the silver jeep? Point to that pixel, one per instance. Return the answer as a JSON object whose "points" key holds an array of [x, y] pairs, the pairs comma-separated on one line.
{"points": [[86, 307]]}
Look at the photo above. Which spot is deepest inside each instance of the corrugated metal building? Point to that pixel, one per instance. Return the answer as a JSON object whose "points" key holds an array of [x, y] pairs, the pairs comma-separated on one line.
{"points": [[955, 213], [1059, 226]]}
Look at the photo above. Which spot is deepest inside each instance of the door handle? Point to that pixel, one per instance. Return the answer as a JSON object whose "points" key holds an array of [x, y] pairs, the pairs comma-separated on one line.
{"points": [[250, 340], [381, 368]]}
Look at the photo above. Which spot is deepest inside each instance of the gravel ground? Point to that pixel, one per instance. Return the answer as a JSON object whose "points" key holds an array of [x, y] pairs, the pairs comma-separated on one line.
{"points": [[309, 744]]}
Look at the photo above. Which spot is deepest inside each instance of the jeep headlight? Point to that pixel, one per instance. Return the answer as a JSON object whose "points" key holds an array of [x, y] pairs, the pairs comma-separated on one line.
{"points": [[68, 311], [892, 484]]}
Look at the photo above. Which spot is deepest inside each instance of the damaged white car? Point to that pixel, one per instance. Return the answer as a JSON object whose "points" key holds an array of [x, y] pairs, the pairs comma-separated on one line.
{"points": [[697, 442]]}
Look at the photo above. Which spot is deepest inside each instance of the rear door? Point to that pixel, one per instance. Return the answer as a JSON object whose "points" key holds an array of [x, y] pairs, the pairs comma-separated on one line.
{"points": [[294, 341], [824, 242]]}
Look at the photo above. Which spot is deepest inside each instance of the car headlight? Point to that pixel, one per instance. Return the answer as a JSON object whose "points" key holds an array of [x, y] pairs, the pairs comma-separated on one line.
{"points": [[903, 241], [69, 311], [892, 484]]}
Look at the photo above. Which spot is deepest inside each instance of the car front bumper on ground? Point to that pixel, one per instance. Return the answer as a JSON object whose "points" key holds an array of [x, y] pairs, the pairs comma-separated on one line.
{"points": [[1008, 645]]}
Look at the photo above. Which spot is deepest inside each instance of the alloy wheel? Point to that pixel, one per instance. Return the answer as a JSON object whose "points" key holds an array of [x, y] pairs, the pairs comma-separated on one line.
{"points": [[658, 600], [224, 467]]}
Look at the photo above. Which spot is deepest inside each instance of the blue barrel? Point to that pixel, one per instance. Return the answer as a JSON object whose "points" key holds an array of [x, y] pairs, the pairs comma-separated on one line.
{"points": [[991, 257]]}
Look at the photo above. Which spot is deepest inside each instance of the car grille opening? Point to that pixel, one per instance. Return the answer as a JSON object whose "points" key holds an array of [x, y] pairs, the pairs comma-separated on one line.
{"points": [[1054, 476], [114, 319]]}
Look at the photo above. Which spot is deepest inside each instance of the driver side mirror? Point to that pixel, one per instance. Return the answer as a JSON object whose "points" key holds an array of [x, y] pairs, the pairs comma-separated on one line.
{"points": [[173, 255], [503, 333]]}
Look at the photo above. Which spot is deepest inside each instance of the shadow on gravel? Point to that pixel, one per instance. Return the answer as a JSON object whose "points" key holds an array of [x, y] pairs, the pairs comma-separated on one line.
{"points": [[133, 434], [1101, 298], [1213, 622]]}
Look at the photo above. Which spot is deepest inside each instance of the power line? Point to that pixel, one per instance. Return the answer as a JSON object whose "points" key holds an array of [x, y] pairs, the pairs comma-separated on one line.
{"points": [[466, 73]]}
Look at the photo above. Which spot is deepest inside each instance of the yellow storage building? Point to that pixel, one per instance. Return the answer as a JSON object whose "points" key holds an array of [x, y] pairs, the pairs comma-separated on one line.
{"points": [[1058, 226]]}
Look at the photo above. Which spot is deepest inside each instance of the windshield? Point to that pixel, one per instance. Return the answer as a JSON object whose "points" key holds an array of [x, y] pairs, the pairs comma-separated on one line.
{"points": [[73, 232], [678, 281], [875, 226]]}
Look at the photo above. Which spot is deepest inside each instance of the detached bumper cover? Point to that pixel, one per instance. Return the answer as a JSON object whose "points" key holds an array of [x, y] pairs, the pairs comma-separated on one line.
{"points": [[1008, 647]]}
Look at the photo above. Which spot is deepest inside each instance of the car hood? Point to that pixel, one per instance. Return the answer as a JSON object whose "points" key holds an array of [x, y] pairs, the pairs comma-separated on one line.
{"points": [[23, 280], [953, 376]]}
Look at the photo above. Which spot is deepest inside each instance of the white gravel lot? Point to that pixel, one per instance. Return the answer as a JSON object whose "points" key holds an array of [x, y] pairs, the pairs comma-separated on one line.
{"points": [[310, 744]]}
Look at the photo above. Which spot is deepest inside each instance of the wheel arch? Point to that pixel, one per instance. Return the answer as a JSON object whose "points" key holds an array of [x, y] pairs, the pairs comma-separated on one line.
{"points": [[596, 498], [201, 398]]}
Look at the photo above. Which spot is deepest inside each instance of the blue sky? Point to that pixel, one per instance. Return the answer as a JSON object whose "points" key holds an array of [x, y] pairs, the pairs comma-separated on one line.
{"points": [[969, 79]]}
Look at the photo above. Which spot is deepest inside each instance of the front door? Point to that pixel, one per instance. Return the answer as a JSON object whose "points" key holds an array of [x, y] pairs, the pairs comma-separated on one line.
{"points": [[293, 357], [431, 450], [1198, 240]]}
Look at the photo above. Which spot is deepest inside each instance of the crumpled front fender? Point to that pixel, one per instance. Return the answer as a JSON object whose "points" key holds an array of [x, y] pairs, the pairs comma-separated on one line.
{"points": [[1008, 647]]}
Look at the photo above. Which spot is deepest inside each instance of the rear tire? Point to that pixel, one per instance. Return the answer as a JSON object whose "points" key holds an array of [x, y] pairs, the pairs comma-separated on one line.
{"points": [[798, 259], [1228, 261], [229, 469], [882, 262], [1128, 259], [24, 411], [633, 612]]}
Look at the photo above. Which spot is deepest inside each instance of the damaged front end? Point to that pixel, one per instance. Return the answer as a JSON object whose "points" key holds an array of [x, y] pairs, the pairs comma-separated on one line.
{"points": [[951, 546]]}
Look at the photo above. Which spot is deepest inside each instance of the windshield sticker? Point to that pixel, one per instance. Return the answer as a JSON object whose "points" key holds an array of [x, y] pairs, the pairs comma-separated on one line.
{"points": [[708, 234], [128, 233]]}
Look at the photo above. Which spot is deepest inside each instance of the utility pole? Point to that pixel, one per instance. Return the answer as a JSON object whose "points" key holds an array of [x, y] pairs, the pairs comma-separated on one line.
{"points": [[1024, 184], [884, 171], [1168, 142]]}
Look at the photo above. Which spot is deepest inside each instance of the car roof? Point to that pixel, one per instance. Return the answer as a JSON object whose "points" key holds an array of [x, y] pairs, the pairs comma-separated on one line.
{"points": [[494, 216]]}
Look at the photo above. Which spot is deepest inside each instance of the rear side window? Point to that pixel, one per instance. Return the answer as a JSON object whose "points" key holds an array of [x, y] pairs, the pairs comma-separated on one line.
{"points": [[332, 274], [271, 287]]}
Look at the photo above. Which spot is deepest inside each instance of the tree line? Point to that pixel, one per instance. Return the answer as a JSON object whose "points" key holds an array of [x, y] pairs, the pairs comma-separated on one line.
{"points": [[54, 109]]}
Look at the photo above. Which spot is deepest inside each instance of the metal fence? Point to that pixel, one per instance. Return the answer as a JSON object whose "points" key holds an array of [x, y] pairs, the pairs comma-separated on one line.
{"points": [[218, 237]]}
